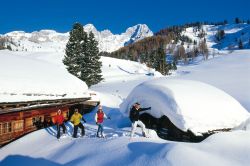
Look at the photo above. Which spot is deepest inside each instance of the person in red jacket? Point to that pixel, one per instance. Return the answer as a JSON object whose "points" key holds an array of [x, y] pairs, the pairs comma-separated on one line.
{"points": [[59, 121], [99, 118]]}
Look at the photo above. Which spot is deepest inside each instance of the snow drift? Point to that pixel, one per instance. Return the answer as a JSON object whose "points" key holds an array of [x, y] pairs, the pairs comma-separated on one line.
{"points": [[188, 104], [25, 78]]}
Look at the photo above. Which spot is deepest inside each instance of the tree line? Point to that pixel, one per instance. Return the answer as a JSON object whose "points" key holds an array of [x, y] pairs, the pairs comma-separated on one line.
{"points": [[170, 41], [152, 50]]}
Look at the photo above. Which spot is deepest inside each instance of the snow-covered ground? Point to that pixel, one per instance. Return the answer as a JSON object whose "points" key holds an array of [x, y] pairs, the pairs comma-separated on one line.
{"points": [[229, 73], [25, 78], [233, 33], [190, 105]]}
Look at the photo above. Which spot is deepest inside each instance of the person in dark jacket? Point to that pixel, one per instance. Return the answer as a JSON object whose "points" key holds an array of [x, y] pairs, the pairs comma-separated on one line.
{"points": [[59, 121], [134, 117]]}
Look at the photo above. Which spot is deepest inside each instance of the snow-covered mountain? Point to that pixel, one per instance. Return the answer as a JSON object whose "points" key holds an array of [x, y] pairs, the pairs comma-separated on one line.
{"points": [[230, 41], [51, 41]]}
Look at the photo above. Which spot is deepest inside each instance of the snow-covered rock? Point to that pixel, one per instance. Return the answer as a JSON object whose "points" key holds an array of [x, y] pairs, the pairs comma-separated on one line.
{"points": [[188, 104], [50, 40]]}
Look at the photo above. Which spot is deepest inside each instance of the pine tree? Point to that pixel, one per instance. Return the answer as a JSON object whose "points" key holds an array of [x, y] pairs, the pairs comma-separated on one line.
{"points": [[95, 63], [237, 20], [74, 52], [82, 56], [220, 35], [174, 66], [240, 44]]}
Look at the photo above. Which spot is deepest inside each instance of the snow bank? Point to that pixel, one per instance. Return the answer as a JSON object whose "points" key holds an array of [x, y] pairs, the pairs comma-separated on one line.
{"points": [[25, 78], [228, 72], [188, 104], [244, 125], [113, 69]]}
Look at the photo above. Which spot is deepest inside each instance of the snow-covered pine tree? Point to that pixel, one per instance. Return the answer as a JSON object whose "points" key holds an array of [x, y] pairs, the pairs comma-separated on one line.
{"points": [[81, 56], [75, 50], [240, 44], [95, 63]]}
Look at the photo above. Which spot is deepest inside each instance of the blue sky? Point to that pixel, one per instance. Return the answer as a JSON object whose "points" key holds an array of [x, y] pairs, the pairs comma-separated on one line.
{"points": [[116, 15]]}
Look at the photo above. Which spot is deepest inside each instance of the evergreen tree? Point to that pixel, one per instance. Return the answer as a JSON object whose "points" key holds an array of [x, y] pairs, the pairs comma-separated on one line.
{"points": [[9, 47], [220, 35], [195, 42], [237, 20], [74, 52], [174, 66], [82, 56], [95, 63], [240, 44]]}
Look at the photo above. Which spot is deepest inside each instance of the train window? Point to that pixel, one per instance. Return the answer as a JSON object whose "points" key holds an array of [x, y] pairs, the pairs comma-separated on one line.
{"points": [[18, 125], [28, 122], [38, 121], [9, 127], [5, 128]]}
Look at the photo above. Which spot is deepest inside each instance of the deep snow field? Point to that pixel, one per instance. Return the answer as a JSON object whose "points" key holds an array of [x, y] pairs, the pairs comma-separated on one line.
{"points": [[229, 73]]}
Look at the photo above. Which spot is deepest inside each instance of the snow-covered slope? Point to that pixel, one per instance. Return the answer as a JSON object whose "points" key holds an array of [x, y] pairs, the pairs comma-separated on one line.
{"points": [[42, 75], [224, 149], [190, 105], [50, 40], [25, 78], [227, 72], [233, 33]]}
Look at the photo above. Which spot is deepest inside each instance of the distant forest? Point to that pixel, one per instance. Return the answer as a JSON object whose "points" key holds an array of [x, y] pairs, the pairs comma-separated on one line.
{"points": [[169, 41]]}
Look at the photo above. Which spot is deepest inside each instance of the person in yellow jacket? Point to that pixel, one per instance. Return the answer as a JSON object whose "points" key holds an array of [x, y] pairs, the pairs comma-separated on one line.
{"points": [[76, 120]]}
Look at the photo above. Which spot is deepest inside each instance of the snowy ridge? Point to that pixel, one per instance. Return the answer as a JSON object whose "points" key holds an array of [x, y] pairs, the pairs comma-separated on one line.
{"points": [[50, 40], [233, 33]]}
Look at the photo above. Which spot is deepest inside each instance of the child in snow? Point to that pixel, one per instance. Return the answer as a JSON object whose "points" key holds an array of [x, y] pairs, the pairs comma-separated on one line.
{"points": [[76, 120], [59, 121], [99, 117], [134, 117]]}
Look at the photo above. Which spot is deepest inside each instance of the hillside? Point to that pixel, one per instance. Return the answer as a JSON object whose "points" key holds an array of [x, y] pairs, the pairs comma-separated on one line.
{"points": [[42, 75], [183, 43], [225, 149]]}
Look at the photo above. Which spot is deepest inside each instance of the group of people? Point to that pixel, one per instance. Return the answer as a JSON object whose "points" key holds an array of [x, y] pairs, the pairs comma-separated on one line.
{"points": [[99, 119]]}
